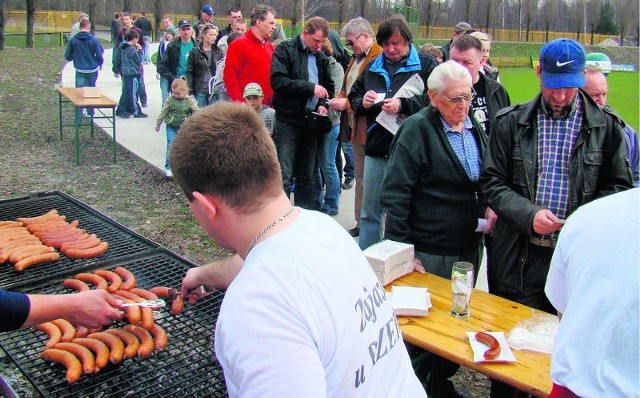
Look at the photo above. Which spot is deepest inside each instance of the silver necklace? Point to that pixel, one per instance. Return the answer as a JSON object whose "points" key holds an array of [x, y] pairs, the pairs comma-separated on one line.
{"points": [[273, 224]]}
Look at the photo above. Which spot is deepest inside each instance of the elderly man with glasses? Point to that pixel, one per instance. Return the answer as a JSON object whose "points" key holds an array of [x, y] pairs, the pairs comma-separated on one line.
{"points": [[359, 37], [431, 195]]}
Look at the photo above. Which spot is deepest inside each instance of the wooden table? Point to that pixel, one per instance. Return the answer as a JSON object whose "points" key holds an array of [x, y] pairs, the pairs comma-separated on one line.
{"points": [[94, 104], [444, 335]]}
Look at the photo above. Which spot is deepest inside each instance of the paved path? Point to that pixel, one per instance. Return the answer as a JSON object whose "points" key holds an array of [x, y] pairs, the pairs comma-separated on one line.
{"points": [[140, 138]]}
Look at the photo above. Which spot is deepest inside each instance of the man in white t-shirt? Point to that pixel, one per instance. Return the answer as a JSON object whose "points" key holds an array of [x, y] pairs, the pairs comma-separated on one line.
{"points": [[303, 314], [593, 283]]}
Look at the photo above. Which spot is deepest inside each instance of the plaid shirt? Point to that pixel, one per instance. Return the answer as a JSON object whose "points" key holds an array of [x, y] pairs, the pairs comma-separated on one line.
{"points": [[466, 148], [556, 141]]}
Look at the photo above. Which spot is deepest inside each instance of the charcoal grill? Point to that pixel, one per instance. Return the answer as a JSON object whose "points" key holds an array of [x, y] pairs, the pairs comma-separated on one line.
{"points": [[187, 368], [123, 242]]}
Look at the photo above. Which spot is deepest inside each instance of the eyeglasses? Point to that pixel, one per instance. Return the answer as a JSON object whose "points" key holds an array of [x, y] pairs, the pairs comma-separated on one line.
{"points": [[352, 42], [458, 99]]}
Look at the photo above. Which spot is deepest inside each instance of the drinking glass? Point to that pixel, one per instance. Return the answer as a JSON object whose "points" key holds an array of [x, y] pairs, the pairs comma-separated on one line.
{"points": [[461, 288]]}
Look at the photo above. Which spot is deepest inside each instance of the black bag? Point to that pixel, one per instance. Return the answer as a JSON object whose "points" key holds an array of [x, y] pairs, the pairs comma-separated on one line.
{"points": [[317, 123]]}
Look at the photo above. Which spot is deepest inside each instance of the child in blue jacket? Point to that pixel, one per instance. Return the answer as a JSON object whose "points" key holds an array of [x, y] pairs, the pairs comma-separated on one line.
{"points": [[127, 60]]}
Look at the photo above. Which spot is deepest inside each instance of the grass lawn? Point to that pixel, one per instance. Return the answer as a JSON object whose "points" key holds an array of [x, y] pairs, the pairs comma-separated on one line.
{"points": [[522, 85]]}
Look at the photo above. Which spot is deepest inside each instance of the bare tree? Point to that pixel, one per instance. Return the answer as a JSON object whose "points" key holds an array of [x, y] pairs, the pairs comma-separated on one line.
{"points": [[31, 18], [2, 6]]}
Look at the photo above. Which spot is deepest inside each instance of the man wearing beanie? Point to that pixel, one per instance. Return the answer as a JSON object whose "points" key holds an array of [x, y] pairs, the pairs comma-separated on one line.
{"points": [[546, 158]]}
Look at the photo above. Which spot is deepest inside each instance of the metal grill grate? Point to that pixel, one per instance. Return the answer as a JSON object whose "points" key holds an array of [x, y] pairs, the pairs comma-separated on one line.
{"points": [[122, 241], [187, 368]]}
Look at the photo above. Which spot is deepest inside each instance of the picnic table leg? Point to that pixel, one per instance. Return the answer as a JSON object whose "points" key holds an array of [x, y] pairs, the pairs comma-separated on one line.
{"points": [[92, 110], [113, 118], [77, 128], [60, 112]]}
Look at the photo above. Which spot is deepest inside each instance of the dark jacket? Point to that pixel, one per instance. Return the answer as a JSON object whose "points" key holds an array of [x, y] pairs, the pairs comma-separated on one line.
{"points": [[446, 48], [198, 63], [376, 78], [290, 80], [597, 167], [85, 51], [144, 25], [223, 32], [127, 60], [497, 98], [427, 196], [168, 64]]}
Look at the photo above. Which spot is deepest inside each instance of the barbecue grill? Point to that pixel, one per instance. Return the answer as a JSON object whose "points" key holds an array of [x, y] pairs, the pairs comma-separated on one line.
{"points": [[186, 368]]}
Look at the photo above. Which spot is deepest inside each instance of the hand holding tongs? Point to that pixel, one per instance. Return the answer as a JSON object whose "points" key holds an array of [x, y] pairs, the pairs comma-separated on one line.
{"points": [[159, 303]]}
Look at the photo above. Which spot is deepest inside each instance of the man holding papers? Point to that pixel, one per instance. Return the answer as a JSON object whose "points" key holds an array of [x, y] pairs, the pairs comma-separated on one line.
{"points": [[431, 195], [393, 84]]}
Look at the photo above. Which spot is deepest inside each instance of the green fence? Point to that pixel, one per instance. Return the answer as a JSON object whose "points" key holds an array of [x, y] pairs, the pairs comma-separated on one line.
{"points": [[40, 40]]}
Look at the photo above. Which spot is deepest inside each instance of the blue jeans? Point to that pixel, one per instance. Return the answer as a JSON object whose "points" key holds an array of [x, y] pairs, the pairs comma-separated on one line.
{"points": [[371, 213], [171, 135], [146, 57], [296, 148], [164, 89], [128, 99], [202, 99], [85, 80], [327, 146], [141, 90], [347, 149]]}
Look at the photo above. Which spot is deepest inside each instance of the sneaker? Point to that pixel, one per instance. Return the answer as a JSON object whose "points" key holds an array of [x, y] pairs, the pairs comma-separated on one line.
{"points": [[347, 184], [124, 115], [329, 212], [355, 231], [140, 115], [168, 173]]}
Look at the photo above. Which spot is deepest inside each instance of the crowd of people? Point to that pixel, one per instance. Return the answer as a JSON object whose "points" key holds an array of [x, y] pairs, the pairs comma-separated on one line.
{"points": [[440, 159]]}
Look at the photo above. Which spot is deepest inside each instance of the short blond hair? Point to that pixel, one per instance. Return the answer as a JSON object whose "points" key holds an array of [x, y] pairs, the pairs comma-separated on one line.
{"points": [[180, 85]]}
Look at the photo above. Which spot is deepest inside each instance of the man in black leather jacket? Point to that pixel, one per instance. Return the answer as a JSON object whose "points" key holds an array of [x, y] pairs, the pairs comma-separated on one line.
{"points": [[298, 86]]}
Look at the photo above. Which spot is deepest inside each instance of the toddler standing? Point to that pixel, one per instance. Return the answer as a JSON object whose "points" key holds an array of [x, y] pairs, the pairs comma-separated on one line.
{"points": [[178, 106]]}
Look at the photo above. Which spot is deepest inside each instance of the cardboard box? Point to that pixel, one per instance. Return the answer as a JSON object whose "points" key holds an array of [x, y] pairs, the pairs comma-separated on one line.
{"points": [[91, 92]]}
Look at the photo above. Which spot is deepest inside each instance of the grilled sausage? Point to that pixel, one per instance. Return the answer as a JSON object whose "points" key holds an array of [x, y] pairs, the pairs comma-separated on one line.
{"points": [[70, 361], [145, 294], [52, 331], [146, 341], [116, 346], [36, 259], [52, 214], [53, 226], [494, 345], [22, 252], [146, 314], [160, 337], [133, 312], [10, 224], [129, 280], [163, 291], [99, 348], [96, 280], [87, 253], [81, 352], [132, 344], [115, 282], [83, 242], [66, 328], [75, 284], [177, 305]]}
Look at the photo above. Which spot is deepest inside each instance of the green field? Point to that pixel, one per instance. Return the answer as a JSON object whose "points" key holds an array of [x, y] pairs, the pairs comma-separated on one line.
{"points": [[522, 85]]}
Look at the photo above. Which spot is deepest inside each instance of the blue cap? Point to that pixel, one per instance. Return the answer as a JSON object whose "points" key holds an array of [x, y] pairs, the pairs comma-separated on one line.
{"points": [[208, 9], [562, 63]]}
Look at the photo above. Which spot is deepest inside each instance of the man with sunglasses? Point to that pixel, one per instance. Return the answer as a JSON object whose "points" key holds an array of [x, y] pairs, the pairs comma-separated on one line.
{"points": [[431, 195]]}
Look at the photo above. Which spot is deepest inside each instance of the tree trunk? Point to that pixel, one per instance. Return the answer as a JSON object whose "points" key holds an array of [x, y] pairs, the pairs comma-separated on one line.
{"points": [[157, 15], [31, 18], [2, 24]]}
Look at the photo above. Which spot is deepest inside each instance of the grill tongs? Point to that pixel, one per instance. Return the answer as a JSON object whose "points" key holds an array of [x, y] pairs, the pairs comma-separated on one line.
{"points": [[158, 303]]}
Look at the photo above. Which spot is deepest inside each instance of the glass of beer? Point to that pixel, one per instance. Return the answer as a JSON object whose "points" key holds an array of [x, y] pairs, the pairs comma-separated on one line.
{"points": [[461, 288]]}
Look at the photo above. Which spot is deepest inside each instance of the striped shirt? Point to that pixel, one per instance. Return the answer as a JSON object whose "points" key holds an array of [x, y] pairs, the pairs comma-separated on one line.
{"points": [[556, 141], [466, 148]]}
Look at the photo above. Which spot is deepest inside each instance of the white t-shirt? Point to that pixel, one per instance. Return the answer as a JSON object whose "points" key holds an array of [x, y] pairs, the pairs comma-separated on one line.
{"points": [[593, 281], [307, 317]]}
